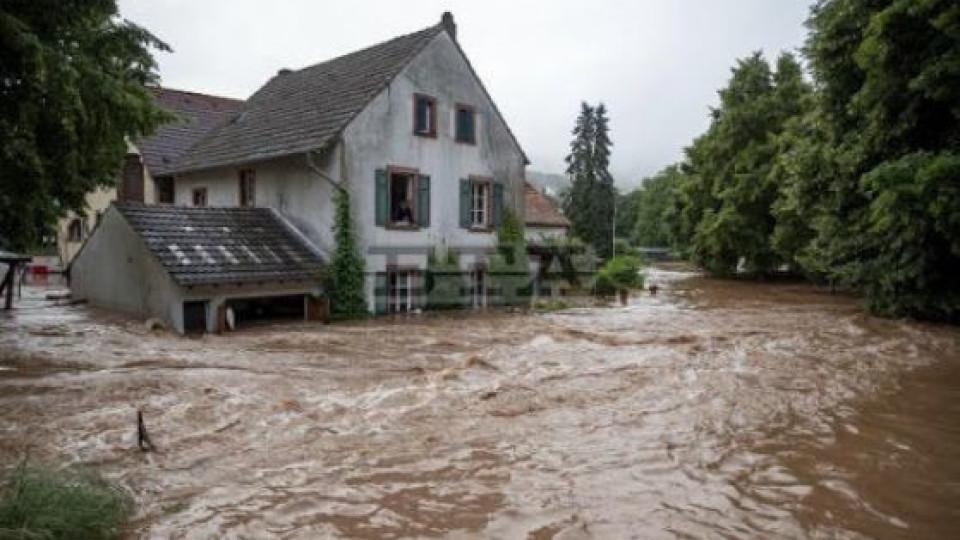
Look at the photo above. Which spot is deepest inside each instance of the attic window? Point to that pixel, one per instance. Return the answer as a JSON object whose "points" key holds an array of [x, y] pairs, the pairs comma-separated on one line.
{"points": [[466, 124], [200, 196], [424, 116]]}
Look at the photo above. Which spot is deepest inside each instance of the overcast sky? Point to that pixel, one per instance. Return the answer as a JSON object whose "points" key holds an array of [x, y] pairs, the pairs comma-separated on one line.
{"points": [[656, 63]]}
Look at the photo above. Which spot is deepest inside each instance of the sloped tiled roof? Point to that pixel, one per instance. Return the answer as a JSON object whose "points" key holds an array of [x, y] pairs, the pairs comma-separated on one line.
{"points": [[207, 246], [540, 211], [298, 111], [199, 113]]}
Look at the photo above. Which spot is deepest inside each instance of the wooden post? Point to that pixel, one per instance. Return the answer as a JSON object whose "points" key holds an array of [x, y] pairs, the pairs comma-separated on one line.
{"points": [[7, 285]]}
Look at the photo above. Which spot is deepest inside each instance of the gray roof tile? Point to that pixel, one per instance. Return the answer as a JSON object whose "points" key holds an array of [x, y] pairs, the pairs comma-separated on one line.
{"points": [[304, 110], [207, 246], [198, 114]]}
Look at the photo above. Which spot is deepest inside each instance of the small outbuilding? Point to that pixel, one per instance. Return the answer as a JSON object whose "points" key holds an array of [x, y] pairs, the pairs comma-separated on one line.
{"points": [[199, 269]]}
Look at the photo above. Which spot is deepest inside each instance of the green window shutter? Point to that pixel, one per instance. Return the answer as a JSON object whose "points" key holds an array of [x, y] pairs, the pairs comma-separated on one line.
{"points": [[382, 197], [471, 129], [423, 200], [497, 204], [465, 203], [380, 293]]}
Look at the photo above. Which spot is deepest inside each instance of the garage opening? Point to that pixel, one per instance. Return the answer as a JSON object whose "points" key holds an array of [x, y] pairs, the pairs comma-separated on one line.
{"points": [[195, 317], [249, 311]]}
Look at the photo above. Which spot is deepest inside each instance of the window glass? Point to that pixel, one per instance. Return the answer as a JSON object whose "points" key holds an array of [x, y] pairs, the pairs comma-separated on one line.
{"points": [[425, 119], [247, 188], [401, 199], [479, 204], [200, 197]]}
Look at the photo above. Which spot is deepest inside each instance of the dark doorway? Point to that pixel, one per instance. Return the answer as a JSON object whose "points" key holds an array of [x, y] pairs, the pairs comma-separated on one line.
{"points": [[195, 317], [251, 310]]}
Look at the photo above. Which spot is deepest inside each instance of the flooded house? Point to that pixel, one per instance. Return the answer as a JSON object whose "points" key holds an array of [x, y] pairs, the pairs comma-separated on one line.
{"points": [[406, 127]]}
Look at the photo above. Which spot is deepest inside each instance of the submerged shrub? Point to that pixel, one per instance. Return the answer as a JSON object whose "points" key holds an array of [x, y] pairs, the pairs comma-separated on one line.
{"points": [[38, 503], [621, 272]]}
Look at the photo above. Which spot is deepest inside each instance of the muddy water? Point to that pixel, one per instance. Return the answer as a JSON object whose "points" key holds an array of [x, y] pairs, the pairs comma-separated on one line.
{"points": [[715, 410]]}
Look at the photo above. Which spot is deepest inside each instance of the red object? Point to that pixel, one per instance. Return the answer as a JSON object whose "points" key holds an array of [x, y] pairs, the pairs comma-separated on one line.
{"points": [[41, 269]]}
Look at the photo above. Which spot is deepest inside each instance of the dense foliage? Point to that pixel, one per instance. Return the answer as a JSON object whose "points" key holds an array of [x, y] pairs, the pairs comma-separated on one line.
{"points": [[651, 216], [853, 179], [590, 201], [72, 93], [619, 273], [41, 503], [345, 277]]}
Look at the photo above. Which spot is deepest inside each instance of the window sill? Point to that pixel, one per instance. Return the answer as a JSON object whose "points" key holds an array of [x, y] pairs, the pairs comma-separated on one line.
{"points": [[481, 230], [401, 227], [425, 135], [465, 142]]}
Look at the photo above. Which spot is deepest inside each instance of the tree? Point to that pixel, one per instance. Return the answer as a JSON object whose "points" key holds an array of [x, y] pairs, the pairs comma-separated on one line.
{"points": [[888, 74], [656, 208], [590, 201], [72, 94], [731, 190], [346, 274]]}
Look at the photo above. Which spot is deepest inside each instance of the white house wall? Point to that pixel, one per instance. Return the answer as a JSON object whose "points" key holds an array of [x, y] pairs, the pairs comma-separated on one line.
{"points": [[382, 136], [286, 185], [115, 270]]}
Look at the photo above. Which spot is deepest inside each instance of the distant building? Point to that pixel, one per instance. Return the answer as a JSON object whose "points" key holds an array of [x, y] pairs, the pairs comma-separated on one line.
{"points": [[543, 220]]}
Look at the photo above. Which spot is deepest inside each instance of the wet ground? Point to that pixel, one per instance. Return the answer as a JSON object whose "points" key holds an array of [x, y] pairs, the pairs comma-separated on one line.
{"points": [[714, 410]]}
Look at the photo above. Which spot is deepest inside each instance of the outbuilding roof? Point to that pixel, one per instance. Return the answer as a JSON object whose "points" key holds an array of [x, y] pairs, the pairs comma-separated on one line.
{"points": [[198, 114], [540, 211], [213, 246]]}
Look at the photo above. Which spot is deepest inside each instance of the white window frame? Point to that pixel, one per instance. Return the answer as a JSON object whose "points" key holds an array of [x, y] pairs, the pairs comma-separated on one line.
{"points": [[400, 297], [479, 204], [479, 287]]}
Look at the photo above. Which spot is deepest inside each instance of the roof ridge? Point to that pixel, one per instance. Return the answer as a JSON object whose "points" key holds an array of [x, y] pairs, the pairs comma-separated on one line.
{"points": [[194, 93], [435, 28]]}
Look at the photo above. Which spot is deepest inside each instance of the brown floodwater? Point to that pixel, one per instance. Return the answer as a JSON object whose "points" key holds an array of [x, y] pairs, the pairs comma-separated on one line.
{"points": [[716, 409]]}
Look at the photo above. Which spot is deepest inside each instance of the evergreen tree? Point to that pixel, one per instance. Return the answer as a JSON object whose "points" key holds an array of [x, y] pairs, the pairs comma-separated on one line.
{"points": [[590, 201], [346, 273], [72, 94]]}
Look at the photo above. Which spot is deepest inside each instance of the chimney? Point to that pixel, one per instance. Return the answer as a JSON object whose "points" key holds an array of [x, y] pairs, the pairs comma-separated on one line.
{"points": [[447, 21]]}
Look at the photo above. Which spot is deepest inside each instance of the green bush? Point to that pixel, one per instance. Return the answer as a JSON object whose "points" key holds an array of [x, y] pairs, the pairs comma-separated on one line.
{"points": [[622, 272], [49, 504], [444, 280]]}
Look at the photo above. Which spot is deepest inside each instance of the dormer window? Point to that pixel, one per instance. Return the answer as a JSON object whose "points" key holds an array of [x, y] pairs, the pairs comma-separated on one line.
{"points": [[424, 116], [466, 124]]}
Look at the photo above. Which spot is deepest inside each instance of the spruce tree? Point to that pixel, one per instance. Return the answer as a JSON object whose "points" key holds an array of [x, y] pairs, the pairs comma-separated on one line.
{"points": [[590, 200]]}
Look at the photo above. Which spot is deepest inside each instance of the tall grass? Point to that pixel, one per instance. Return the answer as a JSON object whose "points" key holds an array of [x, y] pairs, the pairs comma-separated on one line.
{"points": [[39, 503]]}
